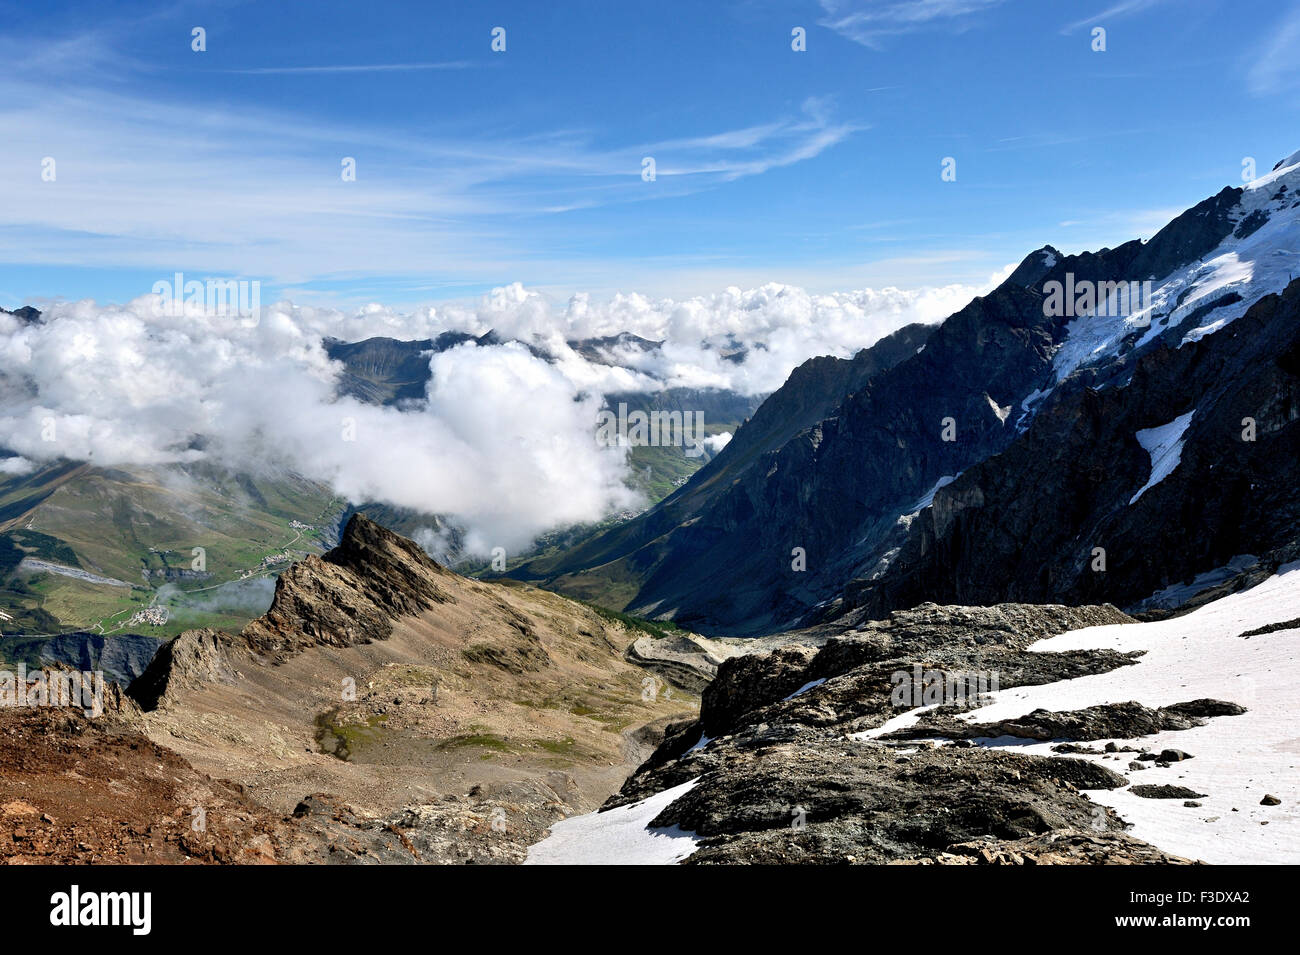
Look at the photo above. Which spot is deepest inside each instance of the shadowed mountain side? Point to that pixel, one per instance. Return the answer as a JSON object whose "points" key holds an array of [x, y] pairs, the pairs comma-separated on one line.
{"points": [[606, 567], [1025, 524], [1021, 398]]}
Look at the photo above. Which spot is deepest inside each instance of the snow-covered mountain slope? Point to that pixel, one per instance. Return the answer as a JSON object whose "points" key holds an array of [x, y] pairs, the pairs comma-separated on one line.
{"points": [[1260, 255], [1237, 760]]}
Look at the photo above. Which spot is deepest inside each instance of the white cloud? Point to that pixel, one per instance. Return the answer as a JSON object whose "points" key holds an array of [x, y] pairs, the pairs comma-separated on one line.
{"points": [[143, 183], [1275, 67], [869, 21], [716, 442], [505, 443]]}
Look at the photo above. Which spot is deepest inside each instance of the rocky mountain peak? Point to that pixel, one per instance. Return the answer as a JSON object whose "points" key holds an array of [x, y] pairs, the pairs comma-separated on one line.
{"points": [[1035, 266], [27, 315], [372, 550], [352, 594]]}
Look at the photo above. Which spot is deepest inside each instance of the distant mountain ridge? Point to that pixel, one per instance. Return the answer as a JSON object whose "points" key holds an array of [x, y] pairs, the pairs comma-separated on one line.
{"points": [[867, 493]]}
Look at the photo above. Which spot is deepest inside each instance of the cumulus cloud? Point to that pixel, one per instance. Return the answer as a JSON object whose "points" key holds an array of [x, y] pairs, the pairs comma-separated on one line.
{"points": [[716, 442], [504, 443], [775, 327]]}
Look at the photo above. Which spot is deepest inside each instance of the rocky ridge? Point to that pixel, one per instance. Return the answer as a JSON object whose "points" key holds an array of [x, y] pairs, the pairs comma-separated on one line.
{"points": [[384, 710]]}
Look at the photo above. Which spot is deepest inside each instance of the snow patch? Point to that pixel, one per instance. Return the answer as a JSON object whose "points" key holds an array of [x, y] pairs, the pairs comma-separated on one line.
{"points": [[618, 836], [1237, 760], [1027, 408], [804, 689], [1003, 412], [928, 498], [1165, 445], [700, 743]]}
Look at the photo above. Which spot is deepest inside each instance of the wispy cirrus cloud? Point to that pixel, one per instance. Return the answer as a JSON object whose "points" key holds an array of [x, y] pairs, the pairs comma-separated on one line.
{"points": [[362, 68], [1116, 11], [148, 182], [1275, 65], [869, 22]]}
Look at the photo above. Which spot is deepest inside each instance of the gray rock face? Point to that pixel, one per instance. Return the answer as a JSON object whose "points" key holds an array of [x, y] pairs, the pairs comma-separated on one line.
{"points": [[1024, 525], [1108, 721], [194, 658], [748, 683], [122, 657]]}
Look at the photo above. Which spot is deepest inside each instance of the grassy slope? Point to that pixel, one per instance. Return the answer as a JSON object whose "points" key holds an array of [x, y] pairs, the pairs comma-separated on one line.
{"points": [[140, 527]]}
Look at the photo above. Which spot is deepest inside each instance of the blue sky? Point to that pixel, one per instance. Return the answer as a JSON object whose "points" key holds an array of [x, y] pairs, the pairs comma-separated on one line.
{"points": [[477, 168]]}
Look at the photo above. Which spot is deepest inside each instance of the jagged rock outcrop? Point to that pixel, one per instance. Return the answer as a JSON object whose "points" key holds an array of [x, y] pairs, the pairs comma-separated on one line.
{"points": [[351, 594], [750, 682], [194, 658]]}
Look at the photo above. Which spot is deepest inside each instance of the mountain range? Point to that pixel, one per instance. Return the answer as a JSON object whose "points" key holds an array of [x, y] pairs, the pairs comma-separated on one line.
{"points": [[989, 458], [1020, 588], [87, 548]]}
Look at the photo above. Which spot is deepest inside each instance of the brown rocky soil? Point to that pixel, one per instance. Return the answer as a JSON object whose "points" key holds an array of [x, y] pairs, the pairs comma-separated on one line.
{"points": [[75, 790], [385, 709]]}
